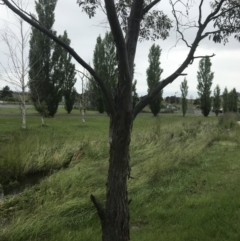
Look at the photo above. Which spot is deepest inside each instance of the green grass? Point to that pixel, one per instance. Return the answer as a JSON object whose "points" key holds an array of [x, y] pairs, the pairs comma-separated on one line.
{"points": [[185, 185]]}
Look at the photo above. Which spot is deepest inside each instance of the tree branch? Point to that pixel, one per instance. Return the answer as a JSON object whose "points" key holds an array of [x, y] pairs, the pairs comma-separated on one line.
{"points": [[134, 21], [177, 25], [125, 79], [67, 48], [213, 32], [98, 206], [201, 57], [149, 6], [200, 13], [222, 13], [209, 17]]}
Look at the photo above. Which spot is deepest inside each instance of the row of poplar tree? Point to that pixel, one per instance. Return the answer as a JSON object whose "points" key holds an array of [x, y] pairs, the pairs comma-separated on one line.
{"points": [[228, 101], [53, 76]]}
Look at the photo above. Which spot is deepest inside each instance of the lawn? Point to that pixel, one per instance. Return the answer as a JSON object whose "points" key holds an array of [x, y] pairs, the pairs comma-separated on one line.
{"points": [[185, 185]]}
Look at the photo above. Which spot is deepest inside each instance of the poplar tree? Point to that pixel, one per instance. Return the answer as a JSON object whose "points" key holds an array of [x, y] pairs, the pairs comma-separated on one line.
{"points": [[68, 74], [45, 80], [205, 77], [225, 100], [216, 100], [154, 72], [232, 100], [98, 56], [105, 63], [184, 91]]}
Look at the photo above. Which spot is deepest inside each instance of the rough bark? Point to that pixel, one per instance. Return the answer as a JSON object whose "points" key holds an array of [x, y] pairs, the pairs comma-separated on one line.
{"points": [[116, 220], [115, 216]]}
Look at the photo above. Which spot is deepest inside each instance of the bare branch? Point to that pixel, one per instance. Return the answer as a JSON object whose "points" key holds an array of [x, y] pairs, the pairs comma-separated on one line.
{"points": [[174, 12], [83, 74], [201, 57], [200, 13]]}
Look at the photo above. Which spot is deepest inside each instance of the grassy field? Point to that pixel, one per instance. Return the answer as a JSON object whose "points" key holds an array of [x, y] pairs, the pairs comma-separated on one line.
{"points": [[185, 187]]}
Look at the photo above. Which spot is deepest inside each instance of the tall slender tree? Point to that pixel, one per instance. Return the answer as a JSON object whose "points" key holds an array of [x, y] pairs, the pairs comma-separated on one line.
{"points": [[184, 91], [45, 80], [68, 75], [98, 56], [205, 77], [105, 63], [225, 100], [216, 100], [16, 39], [232, 100], [154, 72]]}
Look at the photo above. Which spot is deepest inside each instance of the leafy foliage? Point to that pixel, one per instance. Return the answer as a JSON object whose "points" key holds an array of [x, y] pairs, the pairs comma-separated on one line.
{"points": [[227, 22], [155, 24], [205, 77]]}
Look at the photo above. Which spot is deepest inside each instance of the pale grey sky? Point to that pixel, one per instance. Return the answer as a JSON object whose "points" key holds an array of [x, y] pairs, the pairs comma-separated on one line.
{"points": [[83, 33]]}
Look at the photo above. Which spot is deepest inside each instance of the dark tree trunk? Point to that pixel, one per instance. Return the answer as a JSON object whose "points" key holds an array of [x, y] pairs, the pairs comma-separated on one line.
{"points": [[115, 224], [115, 216]]}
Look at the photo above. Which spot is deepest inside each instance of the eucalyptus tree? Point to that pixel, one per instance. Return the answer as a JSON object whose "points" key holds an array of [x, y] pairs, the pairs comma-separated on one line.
{"points": [[130, 21]]}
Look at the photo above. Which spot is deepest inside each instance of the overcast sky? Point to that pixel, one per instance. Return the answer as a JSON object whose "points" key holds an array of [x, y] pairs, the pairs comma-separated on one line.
{"points": [[83, 33]]}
